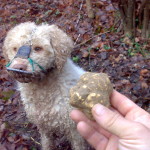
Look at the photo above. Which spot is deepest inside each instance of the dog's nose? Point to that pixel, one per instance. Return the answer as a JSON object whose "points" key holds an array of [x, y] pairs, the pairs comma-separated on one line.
{"points": [[20, 67], [19, 63]]}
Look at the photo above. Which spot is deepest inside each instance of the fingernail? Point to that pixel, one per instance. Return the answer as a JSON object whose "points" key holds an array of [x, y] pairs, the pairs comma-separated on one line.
{"points": [[98, 109]]}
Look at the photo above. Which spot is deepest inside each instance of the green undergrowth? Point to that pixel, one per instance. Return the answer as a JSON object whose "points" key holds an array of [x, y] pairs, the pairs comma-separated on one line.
{"points": [[6, 95], [138, 48]]}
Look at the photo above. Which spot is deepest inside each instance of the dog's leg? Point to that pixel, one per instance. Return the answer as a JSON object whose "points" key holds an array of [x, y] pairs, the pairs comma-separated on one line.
{"points": [[77, 142], [47, 143]]}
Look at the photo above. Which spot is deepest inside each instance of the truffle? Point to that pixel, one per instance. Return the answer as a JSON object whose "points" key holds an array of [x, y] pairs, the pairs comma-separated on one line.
{"points": [[91, 89]]}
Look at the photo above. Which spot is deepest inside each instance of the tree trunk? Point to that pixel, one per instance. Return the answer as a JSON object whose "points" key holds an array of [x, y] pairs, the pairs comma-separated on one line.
{"points": [[89, 9], [135, 14], [130, 17], [145, 21]]}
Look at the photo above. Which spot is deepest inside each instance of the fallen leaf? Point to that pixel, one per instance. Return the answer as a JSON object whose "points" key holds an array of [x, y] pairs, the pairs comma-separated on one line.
{"points": [[25, 148], [85, 54], [144, 85], [137, 39], [10, 139], [143, 72], [127, 41]]}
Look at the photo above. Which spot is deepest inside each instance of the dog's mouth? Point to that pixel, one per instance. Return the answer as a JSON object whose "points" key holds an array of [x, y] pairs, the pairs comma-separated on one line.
{"points": [[24, 76]]}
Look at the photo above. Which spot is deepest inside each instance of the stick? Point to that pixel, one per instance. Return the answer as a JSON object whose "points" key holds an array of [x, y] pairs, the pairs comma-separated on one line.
{"points": [[77, 39], [91, 39], [81, 5], [79, 36], [35, 141]]}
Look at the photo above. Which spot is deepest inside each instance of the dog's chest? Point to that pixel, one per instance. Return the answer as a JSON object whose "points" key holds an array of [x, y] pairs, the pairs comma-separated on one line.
{"points": [[47, 107]]}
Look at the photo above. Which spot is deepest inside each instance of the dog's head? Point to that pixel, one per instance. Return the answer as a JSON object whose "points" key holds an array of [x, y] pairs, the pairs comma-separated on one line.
{"points": [[32, 50]]}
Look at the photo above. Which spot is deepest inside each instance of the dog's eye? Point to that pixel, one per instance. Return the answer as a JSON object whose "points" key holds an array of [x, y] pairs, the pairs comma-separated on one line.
{"points": [[38, 49], [15, 49]]}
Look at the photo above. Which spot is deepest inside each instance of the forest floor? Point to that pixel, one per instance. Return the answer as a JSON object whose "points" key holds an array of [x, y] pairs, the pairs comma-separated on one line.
{"points": [[99, 47]]}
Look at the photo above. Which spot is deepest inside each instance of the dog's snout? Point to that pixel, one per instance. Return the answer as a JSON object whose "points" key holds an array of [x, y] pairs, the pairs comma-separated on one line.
{"points": [[20, 67], [20, 64]]}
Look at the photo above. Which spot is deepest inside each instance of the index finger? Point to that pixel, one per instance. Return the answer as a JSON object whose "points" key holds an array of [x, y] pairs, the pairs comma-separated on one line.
{"points": [[123, 104]]}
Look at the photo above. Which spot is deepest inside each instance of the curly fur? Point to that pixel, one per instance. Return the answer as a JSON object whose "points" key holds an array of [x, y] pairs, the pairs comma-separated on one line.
{"points": [[47, 101]]}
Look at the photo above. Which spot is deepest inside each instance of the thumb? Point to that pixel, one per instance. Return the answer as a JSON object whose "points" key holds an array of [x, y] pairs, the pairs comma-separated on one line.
{"points": [[112, 121]]}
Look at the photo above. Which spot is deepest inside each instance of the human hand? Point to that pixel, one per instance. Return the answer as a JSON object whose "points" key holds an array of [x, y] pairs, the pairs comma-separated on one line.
{"points": [[124, 127]]}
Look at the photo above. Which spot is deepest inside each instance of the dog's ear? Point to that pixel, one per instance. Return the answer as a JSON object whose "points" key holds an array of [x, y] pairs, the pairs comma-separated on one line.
{"points": [[62, 45]]}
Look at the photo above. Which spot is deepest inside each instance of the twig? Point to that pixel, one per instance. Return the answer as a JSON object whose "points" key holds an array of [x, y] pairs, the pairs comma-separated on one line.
{"points": [[77, 39], [35, 141], [81, 5], [79, 36], [120, 26], [90, 68], [91, 39], [116, 22]]}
